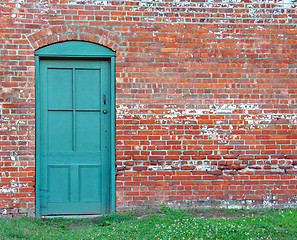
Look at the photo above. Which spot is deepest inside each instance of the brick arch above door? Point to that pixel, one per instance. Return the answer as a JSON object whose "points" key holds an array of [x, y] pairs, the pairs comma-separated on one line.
{"points": [[86, 33]]}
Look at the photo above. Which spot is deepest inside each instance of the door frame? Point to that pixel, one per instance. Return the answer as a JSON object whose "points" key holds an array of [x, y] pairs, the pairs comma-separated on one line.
{"points": [[75, 50]]}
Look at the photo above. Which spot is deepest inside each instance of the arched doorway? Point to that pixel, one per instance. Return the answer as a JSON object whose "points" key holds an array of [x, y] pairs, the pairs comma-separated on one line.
{"points": [[75, 129]]}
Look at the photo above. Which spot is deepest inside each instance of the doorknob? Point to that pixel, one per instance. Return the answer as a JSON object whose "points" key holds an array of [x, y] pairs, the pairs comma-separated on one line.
{"points": [[104, 111]]}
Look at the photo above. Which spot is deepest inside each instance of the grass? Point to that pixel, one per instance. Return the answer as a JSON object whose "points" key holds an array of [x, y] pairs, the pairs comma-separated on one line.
{"points": [[165, 224]]}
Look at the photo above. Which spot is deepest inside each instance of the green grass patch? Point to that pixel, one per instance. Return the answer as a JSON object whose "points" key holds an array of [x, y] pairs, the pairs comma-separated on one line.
{"points": [[166, 223]]}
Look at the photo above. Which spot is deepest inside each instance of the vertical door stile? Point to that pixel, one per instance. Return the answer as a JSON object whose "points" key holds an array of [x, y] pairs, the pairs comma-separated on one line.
{"points": [[73, 109], [104, 178], [74, 182], [43, 138]]}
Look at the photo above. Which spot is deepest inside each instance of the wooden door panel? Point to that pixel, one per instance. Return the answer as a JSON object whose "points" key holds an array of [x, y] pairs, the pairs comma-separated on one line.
{"points": [[59, 88], [58, 183], [88, 90], [60, 131], [89, 190], [88, 126]]}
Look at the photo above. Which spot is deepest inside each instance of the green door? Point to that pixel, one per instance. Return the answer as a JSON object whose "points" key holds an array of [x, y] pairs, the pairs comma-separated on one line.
{"points": [[75, 98]]}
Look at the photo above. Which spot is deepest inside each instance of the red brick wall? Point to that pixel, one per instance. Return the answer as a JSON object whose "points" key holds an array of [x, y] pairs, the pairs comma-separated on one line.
{"points": [[205, 92]]}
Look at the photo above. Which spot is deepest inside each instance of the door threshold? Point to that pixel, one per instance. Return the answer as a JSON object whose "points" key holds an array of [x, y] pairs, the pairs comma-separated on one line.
{"points": [[73, 216]]}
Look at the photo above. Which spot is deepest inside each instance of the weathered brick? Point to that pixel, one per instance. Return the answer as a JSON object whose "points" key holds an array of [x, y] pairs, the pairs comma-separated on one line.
{"points": [[198, 96]]}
